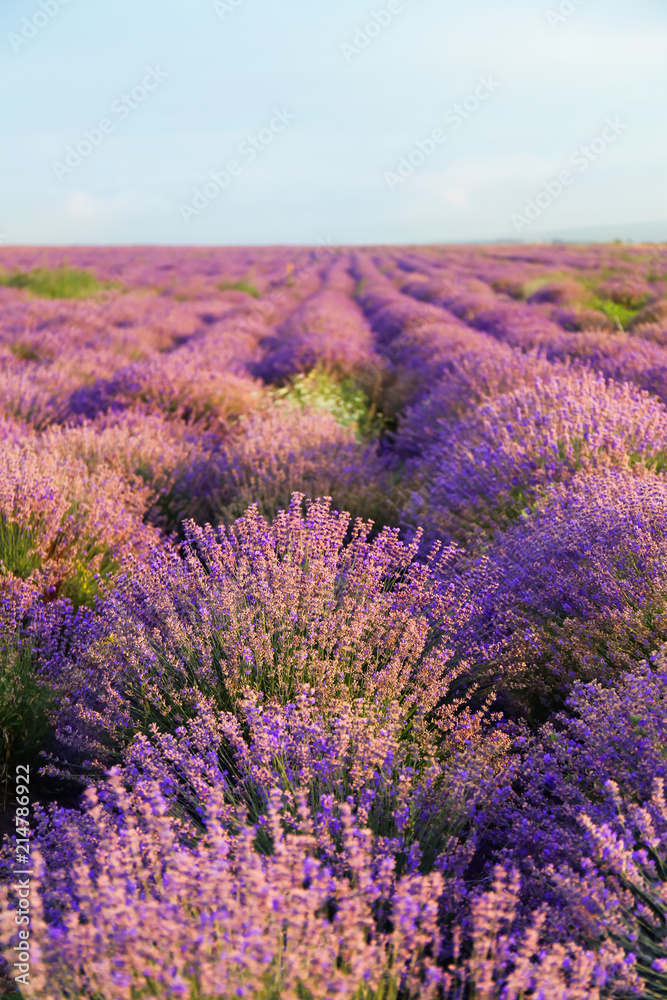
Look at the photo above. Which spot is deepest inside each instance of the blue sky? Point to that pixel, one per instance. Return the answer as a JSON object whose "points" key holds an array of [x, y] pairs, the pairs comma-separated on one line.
{"points": [[339, 102]]}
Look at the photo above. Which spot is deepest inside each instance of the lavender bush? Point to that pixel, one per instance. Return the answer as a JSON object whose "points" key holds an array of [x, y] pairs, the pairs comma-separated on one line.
{"points": [[484, 470]]}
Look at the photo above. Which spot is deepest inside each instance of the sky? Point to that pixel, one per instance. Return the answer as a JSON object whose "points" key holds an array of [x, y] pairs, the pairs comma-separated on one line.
{"points": [[341, 122]]}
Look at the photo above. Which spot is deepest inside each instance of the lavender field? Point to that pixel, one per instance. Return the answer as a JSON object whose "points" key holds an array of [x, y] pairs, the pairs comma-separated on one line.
{"points": [[333, 599]]}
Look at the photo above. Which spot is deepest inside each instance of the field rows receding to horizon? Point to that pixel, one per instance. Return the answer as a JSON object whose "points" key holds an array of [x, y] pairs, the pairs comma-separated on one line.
{"points": [[333, 597]]}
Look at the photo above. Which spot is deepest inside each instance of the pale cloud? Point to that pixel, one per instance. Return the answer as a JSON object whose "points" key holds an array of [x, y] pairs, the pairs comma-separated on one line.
{"points": [[82, 207], [456, 196]]}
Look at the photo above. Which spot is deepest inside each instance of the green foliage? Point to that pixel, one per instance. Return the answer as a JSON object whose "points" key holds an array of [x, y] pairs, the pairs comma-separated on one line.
{"points": [[614, 310], [8, 990], [54, 283], [238, 286], [19, 555], [83, 586], [23, 351], [319, 390], [656, 460], [17, 552], [530, 287], [25, 706]]}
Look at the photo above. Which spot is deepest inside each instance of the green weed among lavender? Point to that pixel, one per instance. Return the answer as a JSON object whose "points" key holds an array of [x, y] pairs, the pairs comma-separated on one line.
{"points": [[57, 283], [25, 705]]}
